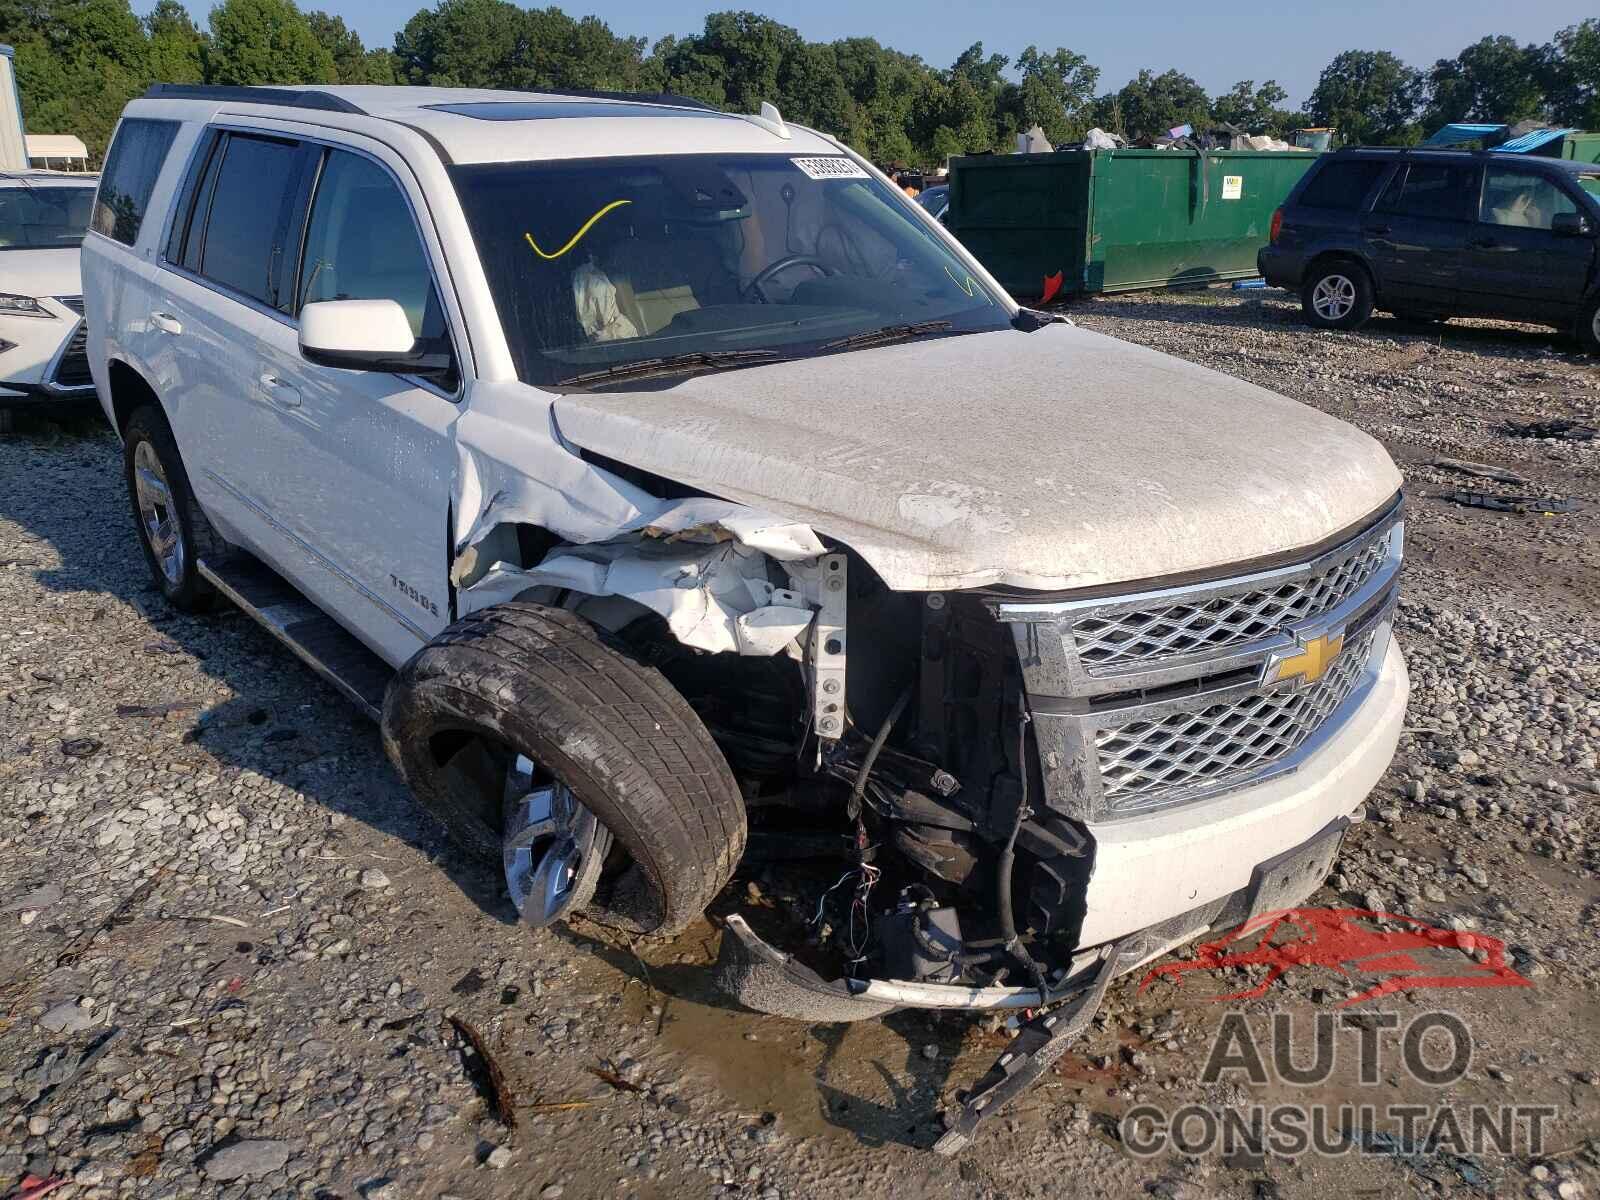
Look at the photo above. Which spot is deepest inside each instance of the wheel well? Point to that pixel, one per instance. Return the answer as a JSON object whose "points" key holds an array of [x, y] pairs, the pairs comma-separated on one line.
{"points": [[129, 392]]}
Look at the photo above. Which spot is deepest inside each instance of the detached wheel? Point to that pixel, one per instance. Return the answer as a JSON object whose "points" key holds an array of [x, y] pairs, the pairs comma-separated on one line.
{"points": [[1337, 296], [173, 532], [541, 745], [1589, 327]]}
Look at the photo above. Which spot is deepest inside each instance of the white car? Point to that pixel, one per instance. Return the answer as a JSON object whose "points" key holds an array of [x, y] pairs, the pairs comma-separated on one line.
{"points": [[43, 217], [585, 441]]}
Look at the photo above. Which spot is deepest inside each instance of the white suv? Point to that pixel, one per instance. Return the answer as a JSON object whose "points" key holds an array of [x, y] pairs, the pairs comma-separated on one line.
{"points": [[43, 216], [658, 474]]}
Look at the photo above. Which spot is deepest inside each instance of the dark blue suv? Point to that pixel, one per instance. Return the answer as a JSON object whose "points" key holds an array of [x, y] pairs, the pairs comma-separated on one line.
{"points": [[1430, 234]]}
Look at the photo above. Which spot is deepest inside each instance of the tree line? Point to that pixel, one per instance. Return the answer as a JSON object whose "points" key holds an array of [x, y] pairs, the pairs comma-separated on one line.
{"points": [[79, 61]]}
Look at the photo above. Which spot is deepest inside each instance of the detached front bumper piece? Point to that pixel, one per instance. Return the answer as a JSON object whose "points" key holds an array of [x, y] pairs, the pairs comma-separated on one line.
{"points": [[769, 981]]}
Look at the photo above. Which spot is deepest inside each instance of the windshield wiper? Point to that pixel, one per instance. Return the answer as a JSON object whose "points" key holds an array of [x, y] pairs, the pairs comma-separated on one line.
{"points": [[677, 364], [889, 333]]}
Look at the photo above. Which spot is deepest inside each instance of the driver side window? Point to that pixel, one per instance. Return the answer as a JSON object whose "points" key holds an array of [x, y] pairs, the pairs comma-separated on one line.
{"points": [[1522, 199], [361, 244]]}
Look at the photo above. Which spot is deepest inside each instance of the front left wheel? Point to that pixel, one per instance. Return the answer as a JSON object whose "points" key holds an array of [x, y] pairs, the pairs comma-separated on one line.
{"points": [[539, 743]]}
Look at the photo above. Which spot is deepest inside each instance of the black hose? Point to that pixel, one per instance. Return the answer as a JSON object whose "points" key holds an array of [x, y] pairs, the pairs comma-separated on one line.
{"points": [[1008, 858], [859, 791]]}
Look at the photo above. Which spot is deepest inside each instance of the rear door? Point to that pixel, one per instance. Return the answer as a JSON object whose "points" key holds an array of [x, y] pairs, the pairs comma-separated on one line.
{"points": [[1517, 267], [218, 298], [362, 462], [1416, 234]]}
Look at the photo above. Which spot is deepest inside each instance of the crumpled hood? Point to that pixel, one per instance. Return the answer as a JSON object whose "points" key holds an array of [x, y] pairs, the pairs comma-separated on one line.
{"points": [[1055, 459], [48, 272]]}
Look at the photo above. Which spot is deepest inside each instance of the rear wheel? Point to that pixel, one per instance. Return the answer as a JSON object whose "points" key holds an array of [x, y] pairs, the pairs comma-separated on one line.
{"points": [[539, 743], [1337, 295], [173, 532]]}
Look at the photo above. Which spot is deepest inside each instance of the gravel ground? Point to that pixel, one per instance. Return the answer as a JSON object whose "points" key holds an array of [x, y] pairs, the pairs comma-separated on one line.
{"points": [[235, 960]]}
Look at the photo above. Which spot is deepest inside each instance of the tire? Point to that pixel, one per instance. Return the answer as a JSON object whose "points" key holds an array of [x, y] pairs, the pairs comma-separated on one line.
{"points": [[147, 441], [1337, 295], [523, 679], [1589, 327]]}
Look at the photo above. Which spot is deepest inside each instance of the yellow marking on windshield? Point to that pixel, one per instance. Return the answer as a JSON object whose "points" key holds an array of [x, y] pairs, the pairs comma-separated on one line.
{"points": [[968, 284], [577, 237]]}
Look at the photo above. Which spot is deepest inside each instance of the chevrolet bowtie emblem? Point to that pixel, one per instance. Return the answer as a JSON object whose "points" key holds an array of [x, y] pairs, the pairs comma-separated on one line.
{"points": [[1305, 663]]}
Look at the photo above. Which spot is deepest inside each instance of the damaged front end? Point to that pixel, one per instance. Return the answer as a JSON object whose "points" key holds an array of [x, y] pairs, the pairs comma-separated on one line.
{"points": [[926, 771], [883, 730]]}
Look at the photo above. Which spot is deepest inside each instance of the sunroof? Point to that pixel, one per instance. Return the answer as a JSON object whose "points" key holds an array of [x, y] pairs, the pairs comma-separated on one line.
{"points": [[516, 110]]}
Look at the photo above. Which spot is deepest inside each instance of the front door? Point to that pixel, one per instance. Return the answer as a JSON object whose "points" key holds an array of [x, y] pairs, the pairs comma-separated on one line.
{"points": [[1416, 235], [1517, 267], [364, 460]]}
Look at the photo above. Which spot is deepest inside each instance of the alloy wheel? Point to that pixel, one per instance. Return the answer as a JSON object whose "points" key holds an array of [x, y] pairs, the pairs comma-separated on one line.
{"points": [[1333, 297], [553, 847], [158, 515]]}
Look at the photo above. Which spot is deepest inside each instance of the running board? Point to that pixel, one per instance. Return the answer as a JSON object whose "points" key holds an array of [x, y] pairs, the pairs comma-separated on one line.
{"points": [[316, 638]]}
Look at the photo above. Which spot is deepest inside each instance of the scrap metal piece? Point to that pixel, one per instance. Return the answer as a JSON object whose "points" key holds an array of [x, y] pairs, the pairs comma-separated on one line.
{"points": [[1041, 1042], [1562, 430], [1510, 504]]}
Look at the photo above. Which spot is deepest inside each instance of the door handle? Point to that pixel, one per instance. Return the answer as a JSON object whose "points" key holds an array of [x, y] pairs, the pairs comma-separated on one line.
{"points": [[166, 322], [1378, 230], [1482, 244], [281, 392]]}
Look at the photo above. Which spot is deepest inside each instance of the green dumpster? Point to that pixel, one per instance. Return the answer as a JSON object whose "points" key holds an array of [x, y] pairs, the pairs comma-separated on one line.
{"points": [[1118, 220], [1581, 147]]}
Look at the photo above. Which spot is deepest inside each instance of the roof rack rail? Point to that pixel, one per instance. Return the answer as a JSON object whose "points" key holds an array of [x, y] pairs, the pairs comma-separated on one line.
{"points": [[666, 98], [282, 97]]}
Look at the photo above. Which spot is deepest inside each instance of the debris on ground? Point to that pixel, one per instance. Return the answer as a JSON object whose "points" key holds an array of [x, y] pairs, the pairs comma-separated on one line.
{"points": [[487, 1073], [1548, 505], [1561, 431], [1481, 470]]}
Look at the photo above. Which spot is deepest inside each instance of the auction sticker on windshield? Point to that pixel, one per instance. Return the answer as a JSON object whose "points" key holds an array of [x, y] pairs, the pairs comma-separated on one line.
{"points": [[829, 168]]}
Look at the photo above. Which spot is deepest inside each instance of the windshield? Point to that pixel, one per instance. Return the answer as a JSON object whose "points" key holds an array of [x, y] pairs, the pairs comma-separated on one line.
{"points": [[600, 264], [34, 217], [1590, 184]]}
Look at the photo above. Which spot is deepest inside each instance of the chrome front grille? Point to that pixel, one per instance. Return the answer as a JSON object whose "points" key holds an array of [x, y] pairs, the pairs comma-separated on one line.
{"points": [[1154, 699], [1151, 760], [1118, 637], [75, 303]]}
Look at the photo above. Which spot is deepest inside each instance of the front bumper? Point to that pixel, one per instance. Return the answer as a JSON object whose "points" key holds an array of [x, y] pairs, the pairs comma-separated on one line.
{"points": [[46, 361]]}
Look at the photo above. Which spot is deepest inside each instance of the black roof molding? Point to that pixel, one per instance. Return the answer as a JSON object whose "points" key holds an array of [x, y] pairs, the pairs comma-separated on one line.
{"points": [[281, 97], [636, 97]]}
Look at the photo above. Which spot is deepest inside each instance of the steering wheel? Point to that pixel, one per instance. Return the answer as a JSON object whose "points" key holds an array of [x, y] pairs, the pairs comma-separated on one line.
{"points": [[766, 274]]}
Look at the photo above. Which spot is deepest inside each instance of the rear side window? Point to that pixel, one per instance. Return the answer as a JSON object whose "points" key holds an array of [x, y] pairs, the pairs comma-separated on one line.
{"points": [[249, 215], [1341, 184], [1439, 190], [130, 175]]}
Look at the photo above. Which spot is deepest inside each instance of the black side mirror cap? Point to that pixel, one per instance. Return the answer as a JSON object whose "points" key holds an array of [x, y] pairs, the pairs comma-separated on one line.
{"points": [[1571, 224]]}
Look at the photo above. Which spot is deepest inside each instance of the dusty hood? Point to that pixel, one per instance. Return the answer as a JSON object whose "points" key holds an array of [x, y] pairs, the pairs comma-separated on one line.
{"points": [[40, 272], [1055, 459]]}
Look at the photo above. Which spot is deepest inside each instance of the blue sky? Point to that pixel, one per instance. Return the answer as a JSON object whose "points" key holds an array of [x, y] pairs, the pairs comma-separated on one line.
{"points": [[1217, 42]]}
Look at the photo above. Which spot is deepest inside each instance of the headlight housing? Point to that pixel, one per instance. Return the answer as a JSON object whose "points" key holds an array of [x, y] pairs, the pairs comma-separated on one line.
{"points": [[22, 306]]}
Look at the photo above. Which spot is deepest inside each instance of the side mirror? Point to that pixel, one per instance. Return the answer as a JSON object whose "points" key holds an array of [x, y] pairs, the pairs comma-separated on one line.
{"points": [[1571, 224], [365, 335]]}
